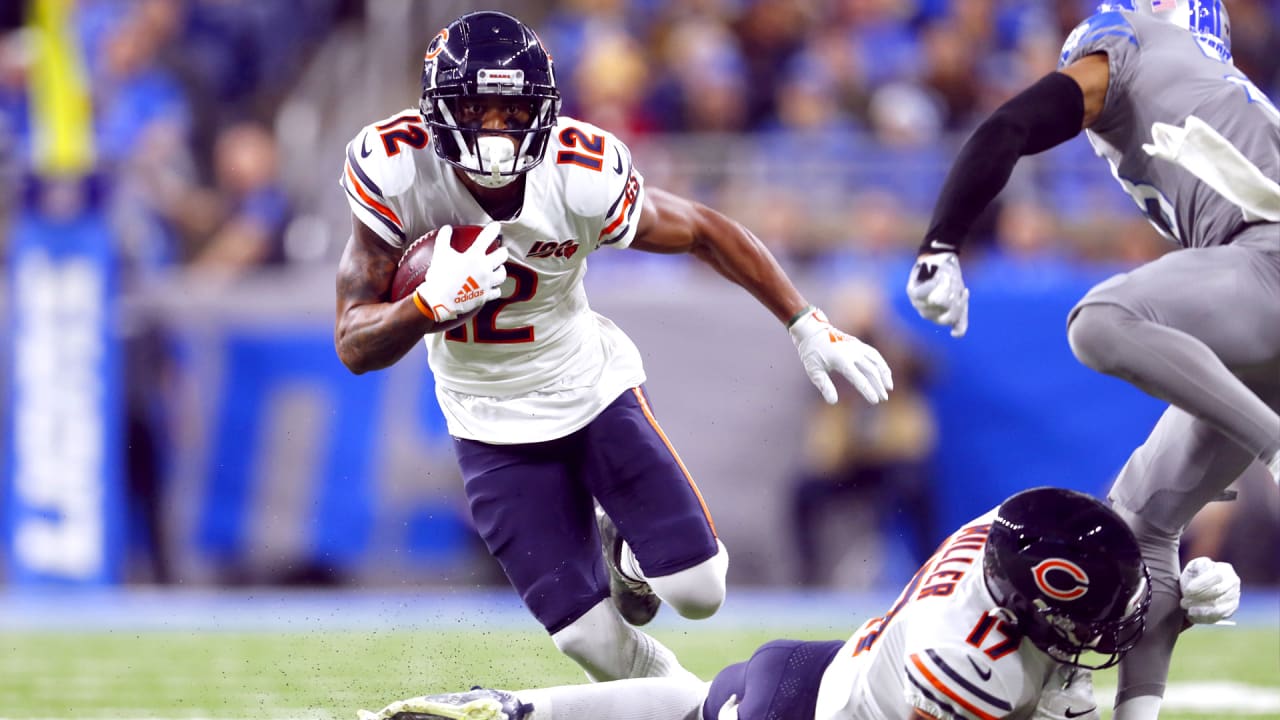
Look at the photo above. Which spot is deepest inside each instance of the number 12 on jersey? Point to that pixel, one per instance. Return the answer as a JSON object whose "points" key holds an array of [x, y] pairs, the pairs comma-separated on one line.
{"points": [[589, 153], [484, 326]]}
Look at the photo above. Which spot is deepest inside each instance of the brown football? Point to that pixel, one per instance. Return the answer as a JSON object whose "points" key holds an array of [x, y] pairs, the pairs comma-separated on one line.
{"points": [[417, 258]]}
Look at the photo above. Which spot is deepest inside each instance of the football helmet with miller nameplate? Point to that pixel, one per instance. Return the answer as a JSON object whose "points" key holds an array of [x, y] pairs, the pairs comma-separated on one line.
{"points": [[1070, 570]]}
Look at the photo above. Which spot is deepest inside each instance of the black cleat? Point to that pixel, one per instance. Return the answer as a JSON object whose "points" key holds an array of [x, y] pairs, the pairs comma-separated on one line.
{"points": [[476, 704], [634, 599]]}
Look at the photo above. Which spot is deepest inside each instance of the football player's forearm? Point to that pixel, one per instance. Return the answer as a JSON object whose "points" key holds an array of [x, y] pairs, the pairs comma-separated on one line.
{"points": [[372, 337], [369, 332], [738, 255], [1046, 114]]}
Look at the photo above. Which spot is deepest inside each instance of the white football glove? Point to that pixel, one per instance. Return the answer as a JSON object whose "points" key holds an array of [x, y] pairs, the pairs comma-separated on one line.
{"points": [[824, 348], [1210, 591], [1068, 695], [458, 282], [729, 711], [937, 291]]}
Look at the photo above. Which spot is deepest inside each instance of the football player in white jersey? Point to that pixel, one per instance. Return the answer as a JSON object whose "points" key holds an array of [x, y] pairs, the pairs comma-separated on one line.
{"points": [[542, 396], [1006, 620]]}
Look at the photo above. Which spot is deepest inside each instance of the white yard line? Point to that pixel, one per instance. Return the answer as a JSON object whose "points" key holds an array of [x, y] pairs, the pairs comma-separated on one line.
{"points": [[1213, 699], [1210, 699]]}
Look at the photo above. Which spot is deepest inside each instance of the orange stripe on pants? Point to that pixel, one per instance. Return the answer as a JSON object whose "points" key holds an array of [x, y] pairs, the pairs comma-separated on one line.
{"points": [[648, 413]]}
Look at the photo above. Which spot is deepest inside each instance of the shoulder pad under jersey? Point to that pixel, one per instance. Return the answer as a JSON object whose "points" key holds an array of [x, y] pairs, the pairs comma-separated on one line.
{"points": [[600, 180], [380, 169]]}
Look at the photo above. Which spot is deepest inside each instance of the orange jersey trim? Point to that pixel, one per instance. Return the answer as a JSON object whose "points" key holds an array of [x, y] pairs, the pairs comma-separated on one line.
{"points": [[915, 659], [648, 414], [386, 211], [622, 215]]}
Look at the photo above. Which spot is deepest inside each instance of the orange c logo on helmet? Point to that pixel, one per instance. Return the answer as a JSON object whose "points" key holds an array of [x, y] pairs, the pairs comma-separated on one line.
{"points": [[1061, 579], [437, 44]]}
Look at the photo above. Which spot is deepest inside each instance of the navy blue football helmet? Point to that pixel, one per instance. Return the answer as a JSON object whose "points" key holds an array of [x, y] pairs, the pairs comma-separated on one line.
{"points": [[485, 54], [1070, 571]]}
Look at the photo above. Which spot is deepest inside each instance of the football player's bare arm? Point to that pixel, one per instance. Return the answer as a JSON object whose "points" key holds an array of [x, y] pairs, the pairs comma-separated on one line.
{"points": [[371, 332], [1092, 73], [672, 224], [918, 714]]}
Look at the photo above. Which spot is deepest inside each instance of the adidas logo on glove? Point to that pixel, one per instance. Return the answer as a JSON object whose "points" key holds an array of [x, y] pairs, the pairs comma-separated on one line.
{"points": [[470, 290]]}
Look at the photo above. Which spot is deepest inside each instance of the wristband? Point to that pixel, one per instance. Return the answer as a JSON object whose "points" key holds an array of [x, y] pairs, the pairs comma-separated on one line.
{"points": [[422, 307], [796, 318]]}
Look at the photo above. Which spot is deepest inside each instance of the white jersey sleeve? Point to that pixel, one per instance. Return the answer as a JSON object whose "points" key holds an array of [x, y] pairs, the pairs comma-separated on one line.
{"points": [[602, 184], [961, 682], [380, 173]]}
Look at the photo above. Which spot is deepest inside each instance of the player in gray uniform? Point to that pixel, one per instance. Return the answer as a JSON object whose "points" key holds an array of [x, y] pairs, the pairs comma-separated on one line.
{"points": [[1197, 146]]}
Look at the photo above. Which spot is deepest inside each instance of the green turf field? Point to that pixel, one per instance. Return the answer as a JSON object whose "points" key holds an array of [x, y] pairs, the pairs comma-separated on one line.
{"points": [[331, 674]]}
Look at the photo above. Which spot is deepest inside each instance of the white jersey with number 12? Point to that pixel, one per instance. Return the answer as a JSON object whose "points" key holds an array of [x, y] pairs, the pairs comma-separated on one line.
{"points": [[537, 364]]}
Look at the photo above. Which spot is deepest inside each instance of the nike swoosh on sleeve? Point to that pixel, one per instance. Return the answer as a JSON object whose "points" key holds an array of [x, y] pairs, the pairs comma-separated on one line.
{"points": [[364, 146], [618, 168], [984, 673]]}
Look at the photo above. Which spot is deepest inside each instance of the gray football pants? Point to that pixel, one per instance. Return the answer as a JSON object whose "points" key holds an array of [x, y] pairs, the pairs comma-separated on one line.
{"points": [[1200, 329]]}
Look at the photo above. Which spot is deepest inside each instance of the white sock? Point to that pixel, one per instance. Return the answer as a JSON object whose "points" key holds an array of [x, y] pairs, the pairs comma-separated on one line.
{"points": [[639, 699], [655, 660], [607, 648], [1142, 707]]}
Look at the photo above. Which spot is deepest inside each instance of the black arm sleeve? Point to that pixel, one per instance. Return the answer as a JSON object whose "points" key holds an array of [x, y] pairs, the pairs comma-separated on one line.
{"points": [[1048, 113]]}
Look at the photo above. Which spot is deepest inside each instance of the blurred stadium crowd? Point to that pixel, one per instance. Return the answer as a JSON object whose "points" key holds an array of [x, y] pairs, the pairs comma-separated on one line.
{"points": [[183, 95], [826, 126]]}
